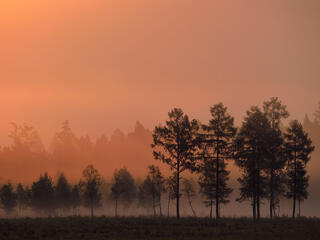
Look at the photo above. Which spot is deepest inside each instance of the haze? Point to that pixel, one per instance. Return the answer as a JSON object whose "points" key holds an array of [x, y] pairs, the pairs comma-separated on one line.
{"points": [[105, 64]]}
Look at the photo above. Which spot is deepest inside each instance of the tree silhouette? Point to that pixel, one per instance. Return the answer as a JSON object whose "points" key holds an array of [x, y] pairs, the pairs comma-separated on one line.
{"points": [[63, 193], [175, 145], [189, 190], [8, 198], [23, 197], [75, 199], [275, 162], [298, 148], [217, 141], [43, 196], [91, 194], [152, 188], [171, 189], [252, 148], [123, 189]]}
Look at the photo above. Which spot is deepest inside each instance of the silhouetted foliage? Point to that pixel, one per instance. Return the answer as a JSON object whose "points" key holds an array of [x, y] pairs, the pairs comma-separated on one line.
{"points": [[63, 194], [253, 144], [216, 147], [275, 161], [8, 198], [24, 195], [123, 189], [75, 199], [298, 148], [175, 144], [43, 196], [91, 194], [151, 189], [189, 190]]}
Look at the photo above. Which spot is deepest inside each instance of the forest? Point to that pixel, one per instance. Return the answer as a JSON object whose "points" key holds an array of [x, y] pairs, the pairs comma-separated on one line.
{"points": [[190, 167]]}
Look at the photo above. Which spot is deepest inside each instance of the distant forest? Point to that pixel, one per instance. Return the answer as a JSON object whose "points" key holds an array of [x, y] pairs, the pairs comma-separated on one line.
{"points": [[180, 158]]}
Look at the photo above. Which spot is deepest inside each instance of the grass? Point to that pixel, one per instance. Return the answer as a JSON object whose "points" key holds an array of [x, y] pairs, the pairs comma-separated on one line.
{"points": [[158, 228]]}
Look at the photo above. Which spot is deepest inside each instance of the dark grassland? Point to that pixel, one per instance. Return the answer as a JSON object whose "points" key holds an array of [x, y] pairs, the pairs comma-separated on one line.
{"points": [[158, 228]]}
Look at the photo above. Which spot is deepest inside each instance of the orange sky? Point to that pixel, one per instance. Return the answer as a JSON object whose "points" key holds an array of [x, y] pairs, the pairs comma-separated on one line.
{"points": [[103, 64]]}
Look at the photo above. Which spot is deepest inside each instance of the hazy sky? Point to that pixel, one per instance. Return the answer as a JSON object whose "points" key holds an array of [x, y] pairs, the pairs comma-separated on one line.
{"points": [[103, 64]]}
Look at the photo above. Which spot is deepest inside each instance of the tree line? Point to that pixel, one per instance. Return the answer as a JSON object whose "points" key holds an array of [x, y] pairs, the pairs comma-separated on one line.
{"points": [[272, 160]]}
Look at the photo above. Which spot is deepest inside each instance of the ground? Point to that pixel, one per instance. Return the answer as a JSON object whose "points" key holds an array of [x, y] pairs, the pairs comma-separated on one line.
{"points": [[158, 228]]}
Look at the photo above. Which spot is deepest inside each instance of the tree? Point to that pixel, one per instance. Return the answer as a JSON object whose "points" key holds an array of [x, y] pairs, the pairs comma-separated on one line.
{"points": [[175, 144], [23, 197], [91, 194], [8, 198], [298, 147], [189, 190], [75, 199], [275, 111], [152, 189], [43, 197], [63, 193], [317, 115], [171, 189], [123, 189], [251, 150], [217, 141], [208, 184]]}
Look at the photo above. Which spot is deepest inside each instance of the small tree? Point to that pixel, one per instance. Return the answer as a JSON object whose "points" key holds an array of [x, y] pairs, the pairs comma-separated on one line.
{"points": [[298, 146], [189, 190], [252, 148], [123, 189], [275, 112], [170, 184], [217, 147], [8, 198], [175, 144], [91, 194], [43, 197], [75, 199], [152, 189], [23, 197], [63, 193]]}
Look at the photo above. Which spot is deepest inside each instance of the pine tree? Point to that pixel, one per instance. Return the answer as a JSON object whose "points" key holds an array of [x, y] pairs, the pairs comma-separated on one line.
{"points": [[123, 189], [91, 193], [189, 190], [43, 196], [63, 193], [252, 149], [8, 198], [275, 161], [298, 147], [175, 144], [216, 147]]}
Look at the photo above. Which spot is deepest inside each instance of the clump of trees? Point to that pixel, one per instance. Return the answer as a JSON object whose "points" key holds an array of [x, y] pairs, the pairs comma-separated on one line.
{"points": [[272, 160]]}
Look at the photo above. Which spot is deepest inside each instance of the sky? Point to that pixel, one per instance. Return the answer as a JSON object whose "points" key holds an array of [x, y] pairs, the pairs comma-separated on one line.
{"points": [[104, 64]]}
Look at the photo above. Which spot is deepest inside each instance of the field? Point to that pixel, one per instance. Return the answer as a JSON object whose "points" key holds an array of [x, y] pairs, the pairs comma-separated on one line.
{"points": [[158, 228]]}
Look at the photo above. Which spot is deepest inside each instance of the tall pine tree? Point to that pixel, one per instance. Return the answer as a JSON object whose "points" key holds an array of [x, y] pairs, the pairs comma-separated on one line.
{"points": [[298, 147]]}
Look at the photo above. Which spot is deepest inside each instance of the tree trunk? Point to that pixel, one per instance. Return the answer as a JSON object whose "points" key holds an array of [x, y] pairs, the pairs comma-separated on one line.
{"points": [[211, 208], [299, 207], [217, 184], [271, 192], [178, 189], [116, 207], [189, 200], [160, 209], [294, 185], [168, 204], [91, 209], [154, 205], [254, 212]]}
